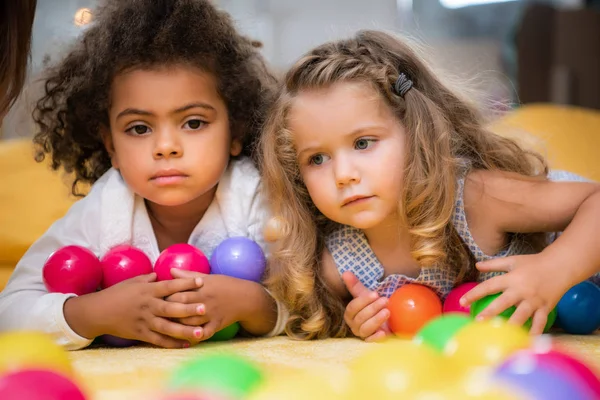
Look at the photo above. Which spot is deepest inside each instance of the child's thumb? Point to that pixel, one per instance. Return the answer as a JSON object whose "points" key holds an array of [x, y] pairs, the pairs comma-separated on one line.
{"points": [[355, 286]]}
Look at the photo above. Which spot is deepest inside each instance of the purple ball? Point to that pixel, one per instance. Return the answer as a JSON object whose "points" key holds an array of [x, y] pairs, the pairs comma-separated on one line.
{"points": [[115, 341], [239, 257], [533, 376]]}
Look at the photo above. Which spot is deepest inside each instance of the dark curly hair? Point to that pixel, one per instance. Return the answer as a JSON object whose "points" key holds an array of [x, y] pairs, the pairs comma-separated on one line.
{"points": [[131, 34]]}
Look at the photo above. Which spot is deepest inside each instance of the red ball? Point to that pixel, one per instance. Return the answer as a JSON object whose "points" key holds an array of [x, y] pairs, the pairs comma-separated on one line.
{"points": [[122, 263], [452, 303], [181, 256], [72, 269], [411, 307], [38, 385]]}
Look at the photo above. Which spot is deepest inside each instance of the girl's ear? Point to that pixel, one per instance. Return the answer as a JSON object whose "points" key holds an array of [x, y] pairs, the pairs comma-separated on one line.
{"points": [[236, 147], [109, 145]]}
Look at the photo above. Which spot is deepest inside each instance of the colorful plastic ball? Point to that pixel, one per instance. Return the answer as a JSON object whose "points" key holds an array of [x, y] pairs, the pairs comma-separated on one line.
{"points": [[486, 343], [437, 332], [545, 355], [239, 257], [302, 385], [72, 269], [398, 369], [192, 396], [221, 374], [38, 385], [226, 333], [115, 341], [28, 349], [123, 262], [541, 379], [411, 307], [579, 310], [478, 306], [181, 256], [452, 302]]}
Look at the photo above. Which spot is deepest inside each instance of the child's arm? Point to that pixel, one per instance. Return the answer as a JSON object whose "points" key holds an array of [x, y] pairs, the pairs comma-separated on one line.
{"points": [[498, 203], [226, 300], [74, 321]]}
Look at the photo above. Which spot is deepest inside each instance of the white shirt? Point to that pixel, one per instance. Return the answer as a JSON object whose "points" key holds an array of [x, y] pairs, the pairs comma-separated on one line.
{"points": [[111, 214]]}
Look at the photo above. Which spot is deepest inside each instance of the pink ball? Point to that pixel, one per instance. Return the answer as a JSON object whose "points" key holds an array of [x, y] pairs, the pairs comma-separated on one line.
{"points": [[452, 303], [181, 256], [72, 269], [122, 263], [38, 385]]}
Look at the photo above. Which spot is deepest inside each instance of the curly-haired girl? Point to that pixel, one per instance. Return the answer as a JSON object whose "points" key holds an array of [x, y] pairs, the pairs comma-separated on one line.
{"points": [[157, 107]]}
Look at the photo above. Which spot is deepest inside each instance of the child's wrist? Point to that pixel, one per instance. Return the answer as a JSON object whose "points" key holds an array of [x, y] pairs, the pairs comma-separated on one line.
{"points": [[255, 303], [82, 316]]}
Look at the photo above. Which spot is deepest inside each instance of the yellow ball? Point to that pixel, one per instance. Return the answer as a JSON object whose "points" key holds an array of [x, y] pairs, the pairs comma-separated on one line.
{"points": [[398, 368], [457, 393], [486, 343], [25, 349], [304, 385]]}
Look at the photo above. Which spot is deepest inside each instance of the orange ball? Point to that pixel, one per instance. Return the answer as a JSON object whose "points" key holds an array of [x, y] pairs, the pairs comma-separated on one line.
{"points": [[411, 307]]}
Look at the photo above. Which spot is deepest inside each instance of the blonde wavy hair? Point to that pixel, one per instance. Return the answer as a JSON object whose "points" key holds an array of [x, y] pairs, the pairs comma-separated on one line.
{"points": [[443, 133]]}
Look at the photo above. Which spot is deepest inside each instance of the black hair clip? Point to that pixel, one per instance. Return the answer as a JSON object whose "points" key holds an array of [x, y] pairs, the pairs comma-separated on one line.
{"points": [[402, 85]]}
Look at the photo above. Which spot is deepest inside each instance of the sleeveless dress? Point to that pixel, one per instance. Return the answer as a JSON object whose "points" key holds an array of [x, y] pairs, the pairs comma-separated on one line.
{"points": [[352, 252]]}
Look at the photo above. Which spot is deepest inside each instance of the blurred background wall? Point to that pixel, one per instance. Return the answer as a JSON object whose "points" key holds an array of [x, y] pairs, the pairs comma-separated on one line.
{"points": [[478, 40]]}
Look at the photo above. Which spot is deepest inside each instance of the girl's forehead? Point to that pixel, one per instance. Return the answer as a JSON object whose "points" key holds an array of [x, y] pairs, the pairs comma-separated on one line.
{"points": [[340, 104]]}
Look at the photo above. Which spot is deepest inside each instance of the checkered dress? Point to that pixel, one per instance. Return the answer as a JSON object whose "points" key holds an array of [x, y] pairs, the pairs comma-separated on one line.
{"points": [[351, 252]]}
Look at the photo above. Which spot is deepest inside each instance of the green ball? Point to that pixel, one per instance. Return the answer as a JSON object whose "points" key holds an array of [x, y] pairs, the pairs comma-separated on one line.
{"points": [[439, 331], [226, 333], [478, 306], [225, 374]]}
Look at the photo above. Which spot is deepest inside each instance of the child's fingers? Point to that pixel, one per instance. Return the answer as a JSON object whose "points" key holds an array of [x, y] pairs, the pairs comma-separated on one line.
{"points": [[194, 321], [521, 314], [540, 317], [354, 285], [189, 297], [167, 288], [209, 329], [164, 341], [168, 309], [369, 311], [377, 336], [356, 305], [183, 273], [146, 278], [489, 287], [176, 330], [501, 264], [373, 324], [497, 306]]}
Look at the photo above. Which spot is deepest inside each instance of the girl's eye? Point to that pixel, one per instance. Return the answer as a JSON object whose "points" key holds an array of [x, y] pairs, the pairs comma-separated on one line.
{"points": [[318, 159], [138, 130], [362, 144], [194, 124]]}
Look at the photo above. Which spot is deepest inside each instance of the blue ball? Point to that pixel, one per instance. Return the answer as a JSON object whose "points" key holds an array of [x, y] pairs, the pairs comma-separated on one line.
{"points": [[239, 257], [579, 309]]}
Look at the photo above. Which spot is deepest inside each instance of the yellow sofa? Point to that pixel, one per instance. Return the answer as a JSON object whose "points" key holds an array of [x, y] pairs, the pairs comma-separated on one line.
{"points": [[32, 197]]}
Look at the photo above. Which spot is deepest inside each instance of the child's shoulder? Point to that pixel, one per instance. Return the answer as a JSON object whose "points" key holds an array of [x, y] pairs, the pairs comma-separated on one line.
{"points": [[244, 168], [241, 176]]}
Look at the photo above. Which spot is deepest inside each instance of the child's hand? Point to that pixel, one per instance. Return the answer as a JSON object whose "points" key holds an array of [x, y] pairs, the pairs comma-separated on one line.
{"points": [[530, 284], [216, 299], [366, 314], [136, 309]]}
